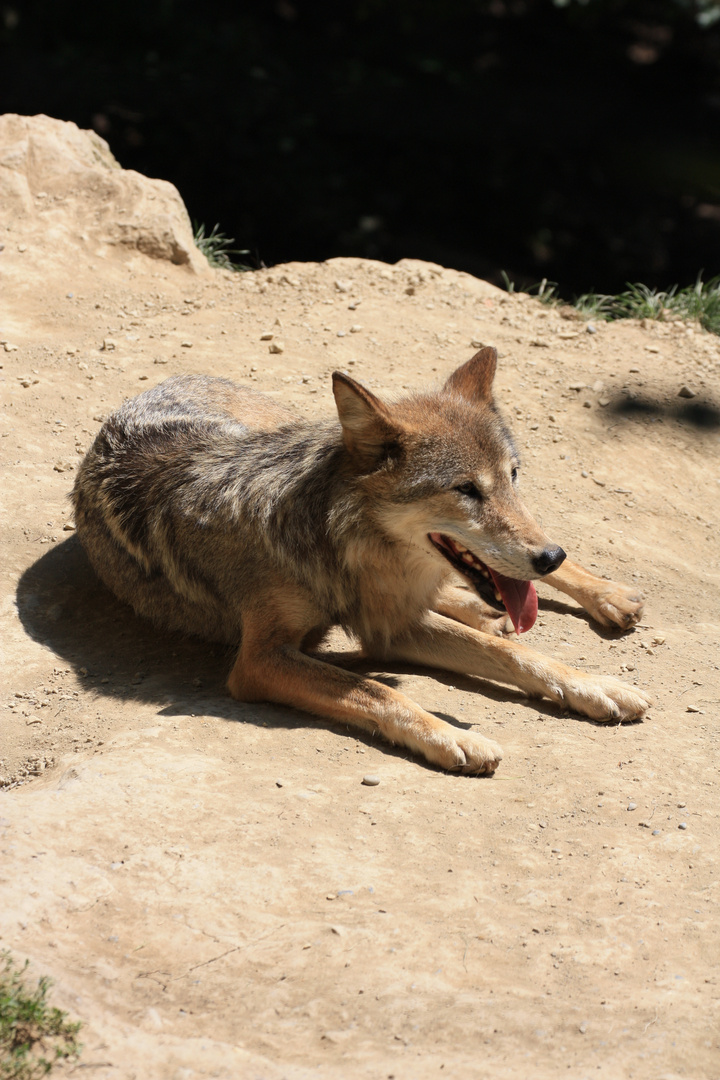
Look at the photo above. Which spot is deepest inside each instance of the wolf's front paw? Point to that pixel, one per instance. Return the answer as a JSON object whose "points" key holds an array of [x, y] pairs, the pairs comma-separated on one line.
{"points": [[602, 697], [615, 605], [465, 752]]}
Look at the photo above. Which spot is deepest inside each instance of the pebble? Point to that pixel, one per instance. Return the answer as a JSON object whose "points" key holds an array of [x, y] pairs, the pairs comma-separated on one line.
{"points": [[587, 404], [591, 329], [186, 344], [278, 783], [656, 832], [632, 806], [686, 392], [370, 780], [682, 825], [276, 347], [266, 337]]}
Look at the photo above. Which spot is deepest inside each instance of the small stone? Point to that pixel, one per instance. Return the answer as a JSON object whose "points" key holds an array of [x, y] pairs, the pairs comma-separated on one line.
{"points": [[582, 1028], [656, 832], [371, 780], [266, 337], [108, 345], [278, 783], [542, 824], [476, 343], [686, 392], [587, 404], [341, 333], [68, 527], [8, 347], [682, 825], [603, 401], [632, 806], [555, 850], [160, 360], [276, 347], [186, 344], [343, 286], [584, 473], [591, 329], [658, 640], [356, 328], [681, 805], [576, 386]]}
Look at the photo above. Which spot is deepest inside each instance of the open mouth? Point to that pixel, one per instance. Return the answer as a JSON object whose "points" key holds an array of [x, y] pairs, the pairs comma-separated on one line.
{"points": [[503, 593]]}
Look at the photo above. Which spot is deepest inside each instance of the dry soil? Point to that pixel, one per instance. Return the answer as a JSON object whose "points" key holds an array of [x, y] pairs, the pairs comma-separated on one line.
{"points": [[211, 886]]}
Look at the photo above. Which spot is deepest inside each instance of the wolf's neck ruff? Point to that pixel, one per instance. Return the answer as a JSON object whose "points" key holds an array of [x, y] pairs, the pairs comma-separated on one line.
{"points": [[517, 597]]}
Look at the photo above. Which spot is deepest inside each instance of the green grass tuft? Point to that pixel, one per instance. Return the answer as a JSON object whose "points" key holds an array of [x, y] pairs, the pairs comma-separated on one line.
{"points": [[33, 1036], [217, 248], [698, 303]]}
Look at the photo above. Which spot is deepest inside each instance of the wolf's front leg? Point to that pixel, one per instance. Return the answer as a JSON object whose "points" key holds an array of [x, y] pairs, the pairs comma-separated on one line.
{"points": [[609, 602], [268, 671], [444, 643], [458, 601]]}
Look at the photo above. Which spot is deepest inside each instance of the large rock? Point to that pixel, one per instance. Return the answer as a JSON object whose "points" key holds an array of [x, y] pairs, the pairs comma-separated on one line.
{"points": [[63, 186]]}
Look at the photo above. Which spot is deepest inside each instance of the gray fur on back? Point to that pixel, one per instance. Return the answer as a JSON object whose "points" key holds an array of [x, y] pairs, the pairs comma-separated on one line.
{"points": [[184, 511]]}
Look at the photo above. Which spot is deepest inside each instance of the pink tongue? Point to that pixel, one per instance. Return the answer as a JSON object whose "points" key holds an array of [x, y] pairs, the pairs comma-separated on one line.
{"points": [[520, 598]]}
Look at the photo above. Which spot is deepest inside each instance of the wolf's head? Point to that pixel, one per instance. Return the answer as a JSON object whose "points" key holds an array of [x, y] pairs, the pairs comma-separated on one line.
{"points": [[440, 472]]}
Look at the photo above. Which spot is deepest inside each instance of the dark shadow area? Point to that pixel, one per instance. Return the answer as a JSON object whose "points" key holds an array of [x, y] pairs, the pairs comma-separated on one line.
{"points": [[578, 142], [702, 415]]}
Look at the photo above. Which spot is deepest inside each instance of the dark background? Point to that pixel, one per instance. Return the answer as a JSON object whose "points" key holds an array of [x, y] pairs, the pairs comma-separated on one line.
{"points": [[577, 142]]}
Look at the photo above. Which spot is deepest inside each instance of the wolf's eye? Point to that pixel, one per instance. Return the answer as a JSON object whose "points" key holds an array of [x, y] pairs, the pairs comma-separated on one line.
{"points": [[468, 488], [514, 474]]}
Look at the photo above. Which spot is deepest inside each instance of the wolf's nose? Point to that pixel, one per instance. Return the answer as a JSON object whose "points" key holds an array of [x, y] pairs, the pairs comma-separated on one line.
{"points": [[549, 559]]}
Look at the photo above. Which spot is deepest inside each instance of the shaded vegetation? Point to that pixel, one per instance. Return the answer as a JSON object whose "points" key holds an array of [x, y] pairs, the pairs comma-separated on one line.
{"points": [[568, 140]]}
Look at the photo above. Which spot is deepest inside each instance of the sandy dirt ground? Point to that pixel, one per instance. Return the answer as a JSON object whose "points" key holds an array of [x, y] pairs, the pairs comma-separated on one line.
{"points": [[210, 885]]}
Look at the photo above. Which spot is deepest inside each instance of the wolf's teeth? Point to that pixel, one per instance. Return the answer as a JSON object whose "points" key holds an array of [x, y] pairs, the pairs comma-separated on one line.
{"points": [[468, 557], [484, 572], [497, 595]]}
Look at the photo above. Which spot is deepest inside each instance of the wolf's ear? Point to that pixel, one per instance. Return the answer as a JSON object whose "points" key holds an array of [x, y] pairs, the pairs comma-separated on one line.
{"points": [[367, 424], [475, 378]]}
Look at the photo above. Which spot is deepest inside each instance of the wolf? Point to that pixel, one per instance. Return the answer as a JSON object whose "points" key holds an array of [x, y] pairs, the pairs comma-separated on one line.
{"points": [[217, 512]]}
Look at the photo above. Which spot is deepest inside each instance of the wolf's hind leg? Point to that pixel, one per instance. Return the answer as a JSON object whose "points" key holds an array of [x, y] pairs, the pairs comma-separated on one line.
{"points": [[608, 602], [444, 643], [271, 669]]}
